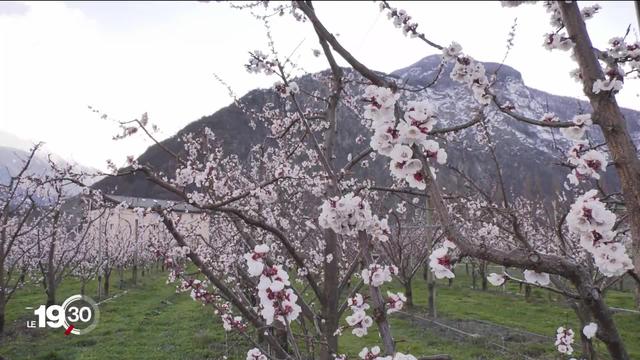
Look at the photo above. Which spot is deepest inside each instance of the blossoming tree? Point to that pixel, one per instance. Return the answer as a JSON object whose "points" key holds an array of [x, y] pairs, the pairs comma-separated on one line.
{"points": [[286, 263], [19, 220], [588, 218]]}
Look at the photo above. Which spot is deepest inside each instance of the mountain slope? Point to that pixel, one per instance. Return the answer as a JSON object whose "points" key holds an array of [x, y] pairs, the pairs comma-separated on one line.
{"points": [[527, 153]]}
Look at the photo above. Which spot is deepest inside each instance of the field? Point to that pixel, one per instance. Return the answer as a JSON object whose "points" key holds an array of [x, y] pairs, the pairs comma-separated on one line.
{"points": [[150, 320]]}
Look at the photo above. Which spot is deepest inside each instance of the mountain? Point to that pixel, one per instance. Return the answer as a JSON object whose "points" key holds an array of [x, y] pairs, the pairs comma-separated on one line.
{"points": [[11, 141], [14, 151], [528, 154]]}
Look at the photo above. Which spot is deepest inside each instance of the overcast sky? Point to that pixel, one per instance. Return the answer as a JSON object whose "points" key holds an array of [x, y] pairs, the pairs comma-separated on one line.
{"points": [[126, 58]]}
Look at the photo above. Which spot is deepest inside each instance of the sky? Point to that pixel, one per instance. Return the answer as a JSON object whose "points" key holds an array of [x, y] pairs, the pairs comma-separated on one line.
{"points": [[127, 58]]}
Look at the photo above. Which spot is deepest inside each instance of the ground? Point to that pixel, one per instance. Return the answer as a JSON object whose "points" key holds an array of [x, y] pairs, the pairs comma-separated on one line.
{"points": [[150, 321]]}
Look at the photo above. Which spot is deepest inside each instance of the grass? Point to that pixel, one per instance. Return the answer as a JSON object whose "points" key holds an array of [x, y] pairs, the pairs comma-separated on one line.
{"points": [[151, 321], [543, 314]]}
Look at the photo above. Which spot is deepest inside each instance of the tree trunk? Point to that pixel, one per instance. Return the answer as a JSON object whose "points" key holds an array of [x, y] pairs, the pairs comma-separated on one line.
{"points": [[330, 286], [583, 314], [607, 330], [607, 115], [473, 276], [2, 311], [51, 285], [377, 301], [483, 275], [331, 251], [107, 275], [430, 278], [82, 287], [134, 274], [51, 269], [100, 281], [51, 296], [527, 293], [425, 271], [121, 274], [281, 335], [408, 293], [431, 295]]}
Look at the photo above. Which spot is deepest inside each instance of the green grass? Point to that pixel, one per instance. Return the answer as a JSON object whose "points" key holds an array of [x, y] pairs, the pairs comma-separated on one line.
{"points": [[151, 321], [543, 314]]}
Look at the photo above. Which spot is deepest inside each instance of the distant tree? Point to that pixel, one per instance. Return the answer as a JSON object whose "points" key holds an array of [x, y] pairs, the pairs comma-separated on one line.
{"points": [[19, 219]]}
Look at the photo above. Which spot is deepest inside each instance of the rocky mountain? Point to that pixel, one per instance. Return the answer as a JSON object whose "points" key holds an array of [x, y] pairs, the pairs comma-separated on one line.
{"points": [[528, 154], [14, 151]]}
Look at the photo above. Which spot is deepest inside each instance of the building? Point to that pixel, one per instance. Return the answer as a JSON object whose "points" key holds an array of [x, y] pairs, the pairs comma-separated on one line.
{"points": [[130, 224]]}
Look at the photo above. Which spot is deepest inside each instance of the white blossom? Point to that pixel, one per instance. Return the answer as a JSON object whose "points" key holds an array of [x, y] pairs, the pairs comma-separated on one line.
{"points": [[535, 277], [590, 330], [367, 354], [564, 340], [613, 85], [277, 300], [376, 275], [557, 41], [256, 354], [452, 51], [255, 264], [349, 214], [496, 279], [440, 263], [395, 302]]}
